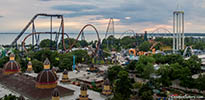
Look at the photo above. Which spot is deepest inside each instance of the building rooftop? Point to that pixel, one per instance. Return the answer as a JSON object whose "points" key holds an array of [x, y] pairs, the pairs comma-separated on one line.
{"points": [[25, 85], [72, 75]]}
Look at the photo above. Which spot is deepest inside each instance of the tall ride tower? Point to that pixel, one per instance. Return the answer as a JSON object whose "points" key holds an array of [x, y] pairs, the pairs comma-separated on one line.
{"points": [[178, 30]]}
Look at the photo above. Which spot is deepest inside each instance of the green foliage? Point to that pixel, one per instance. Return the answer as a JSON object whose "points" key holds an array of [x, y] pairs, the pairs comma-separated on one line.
{"points": [[145, 46], [83, 43], [47, 43], [3, 61], [145, 92], [194, 64], [79, 54], [9, 97], [137, 85], [126, 42], [69, 42], [144, 66], [194, 83], [174, 58], [113, 73], [66, 62], [172, 72], [160, 59], [42, 54], [122, 86], [37, 65], [132, 65], [200, 82], [146, 60], [130, 42], [164, 41]]}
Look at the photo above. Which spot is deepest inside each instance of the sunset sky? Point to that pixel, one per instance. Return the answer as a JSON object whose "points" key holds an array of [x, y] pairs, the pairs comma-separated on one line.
{"points": [[137, 15]]}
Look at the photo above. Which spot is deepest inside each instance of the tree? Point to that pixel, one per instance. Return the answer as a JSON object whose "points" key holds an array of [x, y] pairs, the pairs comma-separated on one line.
{"points": [[122, 86], [66, 62], [3, 61], [146, 60], [145, 92], [79, 54], [83, 43], [113, 73], [130, 42], [147, 71], [200, 82], [69, 42], [199, 45], [174, 58], [159, 58], [47, 43], [144, 66], [145, 46], [42, 54], [132, 65], [165, 72], [178, 72], [37, 65], [194, 64], [9, 97], [146, 95]]}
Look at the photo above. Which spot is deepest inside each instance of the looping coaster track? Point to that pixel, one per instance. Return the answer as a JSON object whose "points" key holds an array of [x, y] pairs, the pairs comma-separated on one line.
{"points": [[82, 32], [34, 33], [36, 36], [128, 32]]}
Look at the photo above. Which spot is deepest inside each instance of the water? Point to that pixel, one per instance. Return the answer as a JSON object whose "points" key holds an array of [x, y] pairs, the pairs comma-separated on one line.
{"points": [[7, 38]]}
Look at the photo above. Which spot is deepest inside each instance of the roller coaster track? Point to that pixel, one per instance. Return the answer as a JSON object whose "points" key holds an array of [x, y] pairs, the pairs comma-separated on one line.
{"points": [[128, 32], [23, 42], [82, 32], [111, 27], [31, 23], [160, 28], [110, 30]]}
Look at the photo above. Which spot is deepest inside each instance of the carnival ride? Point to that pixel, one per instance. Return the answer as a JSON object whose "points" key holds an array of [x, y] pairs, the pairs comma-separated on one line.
{"points": [[110, 31], [36, 37], [158, 31], [82, 32], [128, 32], [188, 51]]}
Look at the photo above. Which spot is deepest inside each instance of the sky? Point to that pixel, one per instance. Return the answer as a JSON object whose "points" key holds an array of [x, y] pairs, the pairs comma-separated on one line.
{"points": [[137, 15]]}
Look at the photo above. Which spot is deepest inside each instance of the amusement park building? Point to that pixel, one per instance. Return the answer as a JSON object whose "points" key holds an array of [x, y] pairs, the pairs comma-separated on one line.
{"points": [[42, 86]]}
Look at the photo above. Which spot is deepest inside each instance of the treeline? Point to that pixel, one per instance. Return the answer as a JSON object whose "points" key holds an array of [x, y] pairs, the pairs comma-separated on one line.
{"points": [[170, 68]]}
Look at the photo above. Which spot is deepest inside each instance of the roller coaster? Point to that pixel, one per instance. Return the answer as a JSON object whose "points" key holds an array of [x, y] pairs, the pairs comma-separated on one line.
{"points": [[36, 37], [110, 30], [160, 31], [82, 33], [128, 32]]}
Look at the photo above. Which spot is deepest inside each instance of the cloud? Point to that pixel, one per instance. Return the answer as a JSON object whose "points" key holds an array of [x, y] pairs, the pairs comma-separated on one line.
{"points": [[135, 14], [138, 12], [74, 7]]}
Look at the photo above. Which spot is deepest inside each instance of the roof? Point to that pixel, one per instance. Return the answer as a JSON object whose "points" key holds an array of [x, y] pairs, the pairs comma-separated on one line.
{"points": [[46, 76], [29, 63], [84, 87], [25, 85], [55, 93], [12, 66], [12, 55], [106, 82], [72, 75], [46, 62]]}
